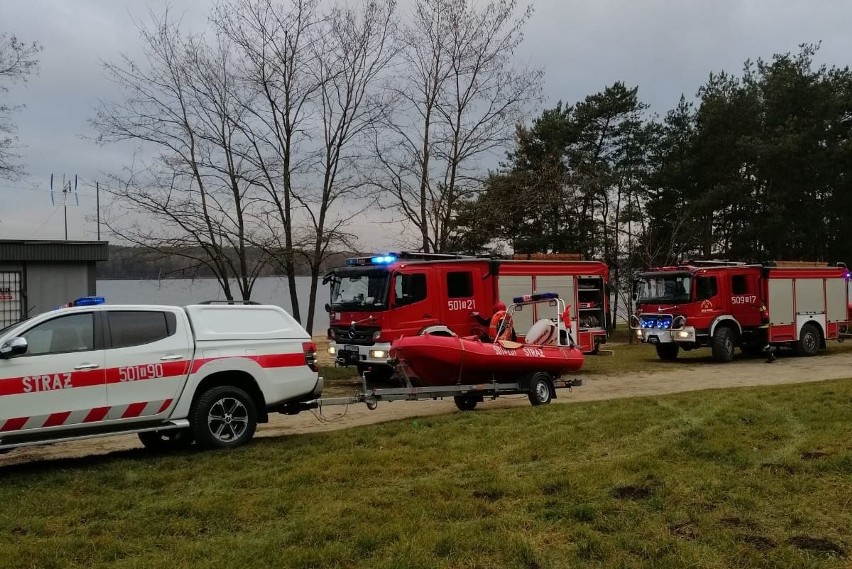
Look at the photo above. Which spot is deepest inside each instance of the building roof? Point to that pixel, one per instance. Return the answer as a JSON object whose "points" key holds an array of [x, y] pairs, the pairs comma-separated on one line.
{"points": [[52, 251]]}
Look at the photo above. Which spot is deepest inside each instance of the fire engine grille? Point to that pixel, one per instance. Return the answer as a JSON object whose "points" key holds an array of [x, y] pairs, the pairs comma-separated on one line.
{"points": [[357, 335], [11, 307]]}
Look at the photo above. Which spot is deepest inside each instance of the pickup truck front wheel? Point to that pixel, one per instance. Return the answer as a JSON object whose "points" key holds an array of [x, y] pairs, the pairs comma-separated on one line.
{"points": [[223, 417]]}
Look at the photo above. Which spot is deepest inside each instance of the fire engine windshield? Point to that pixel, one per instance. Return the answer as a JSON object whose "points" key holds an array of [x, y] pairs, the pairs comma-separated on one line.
{"points": [[659, 288], [359, 289]]}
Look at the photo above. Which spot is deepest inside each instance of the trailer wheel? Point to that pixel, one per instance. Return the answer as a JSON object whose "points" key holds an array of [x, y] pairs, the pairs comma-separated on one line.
{"points": [[723, 344], [667, 352], [466, 402], [223, 417], [808, 344], [541, 389], [167, 440]]}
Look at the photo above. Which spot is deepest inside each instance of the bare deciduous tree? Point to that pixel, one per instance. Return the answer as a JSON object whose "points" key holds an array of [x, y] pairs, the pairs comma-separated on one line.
{"points": [[349, 59], [274, 41], [459, 98], [194, 196], [17, 62]]}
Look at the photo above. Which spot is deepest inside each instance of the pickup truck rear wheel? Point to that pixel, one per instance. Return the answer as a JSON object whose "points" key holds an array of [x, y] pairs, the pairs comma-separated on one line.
{"points": [[223, 417], [169, 439]]}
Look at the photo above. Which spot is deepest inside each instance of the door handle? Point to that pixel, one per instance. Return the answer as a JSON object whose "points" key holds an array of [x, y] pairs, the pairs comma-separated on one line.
{"points": [[86, 366], [171, 357]]}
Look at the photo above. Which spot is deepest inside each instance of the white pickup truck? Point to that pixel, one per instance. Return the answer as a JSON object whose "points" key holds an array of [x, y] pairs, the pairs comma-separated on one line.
{"points": [[207, 373]]}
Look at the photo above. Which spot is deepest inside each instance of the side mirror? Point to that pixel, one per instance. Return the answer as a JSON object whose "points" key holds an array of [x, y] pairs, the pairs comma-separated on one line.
{"points": [[327, 308], [13, 347]]}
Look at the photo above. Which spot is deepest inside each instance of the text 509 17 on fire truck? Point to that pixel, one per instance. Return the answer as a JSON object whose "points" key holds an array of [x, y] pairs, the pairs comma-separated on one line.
{"points": [[207, 373]]}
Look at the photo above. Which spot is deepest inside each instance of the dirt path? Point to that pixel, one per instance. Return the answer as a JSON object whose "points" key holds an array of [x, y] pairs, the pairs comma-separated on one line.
{"points": [[594, 388]]}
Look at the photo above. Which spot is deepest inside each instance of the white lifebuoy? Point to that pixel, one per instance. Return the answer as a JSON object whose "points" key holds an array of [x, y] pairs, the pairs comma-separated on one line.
{"points": [[542, 333]]}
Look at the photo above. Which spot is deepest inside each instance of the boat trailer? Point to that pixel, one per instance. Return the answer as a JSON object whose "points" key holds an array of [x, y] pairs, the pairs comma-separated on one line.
{"points": [[466, 396]]}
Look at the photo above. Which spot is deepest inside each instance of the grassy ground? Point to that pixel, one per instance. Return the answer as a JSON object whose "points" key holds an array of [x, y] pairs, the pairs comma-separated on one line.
{"points": [[739, 478]]}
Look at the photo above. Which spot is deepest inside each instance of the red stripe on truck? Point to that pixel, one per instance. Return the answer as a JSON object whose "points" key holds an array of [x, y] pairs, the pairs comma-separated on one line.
{"points": [[14, 424], [56, 419], [96, 414], [139, 372], [133, 410]]}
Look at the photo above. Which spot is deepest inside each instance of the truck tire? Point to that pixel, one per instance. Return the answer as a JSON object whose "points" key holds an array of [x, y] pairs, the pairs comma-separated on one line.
{"points": [[667, 352], [466, 402], [167, 440], [723, 344], [808, 344], [223, 417], [541, 389]]}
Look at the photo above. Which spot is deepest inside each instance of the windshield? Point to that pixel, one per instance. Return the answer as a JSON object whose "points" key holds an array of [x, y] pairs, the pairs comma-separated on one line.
{"points": [[9, 327], [663, 288], [360, 291]]}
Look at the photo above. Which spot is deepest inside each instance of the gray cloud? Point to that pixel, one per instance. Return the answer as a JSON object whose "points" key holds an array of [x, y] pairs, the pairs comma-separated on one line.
{"points": [[665, 47]]}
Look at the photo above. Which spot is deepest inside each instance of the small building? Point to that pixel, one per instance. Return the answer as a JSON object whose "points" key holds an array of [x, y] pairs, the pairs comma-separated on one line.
{"points": [[37, 276]]}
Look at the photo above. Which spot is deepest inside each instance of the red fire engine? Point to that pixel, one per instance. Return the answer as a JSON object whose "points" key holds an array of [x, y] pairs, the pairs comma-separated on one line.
{"points": [[377, 299], [757, 307]]}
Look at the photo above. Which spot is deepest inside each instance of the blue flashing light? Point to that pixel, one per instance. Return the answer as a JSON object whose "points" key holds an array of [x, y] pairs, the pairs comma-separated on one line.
{"points": [[376, 260], [88, 301], [535, 297], [656, 322]]}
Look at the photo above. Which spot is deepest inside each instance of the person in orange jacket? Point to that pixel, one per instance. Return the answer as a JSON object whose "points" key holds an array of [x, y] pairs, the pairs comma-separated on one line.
{"points": [[500, 325]]}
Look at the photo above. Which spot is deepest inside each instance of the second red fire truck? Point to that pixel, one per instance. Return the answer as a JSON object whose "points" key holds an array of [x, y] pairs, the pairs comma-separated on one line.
{"points": [[756, 307]]}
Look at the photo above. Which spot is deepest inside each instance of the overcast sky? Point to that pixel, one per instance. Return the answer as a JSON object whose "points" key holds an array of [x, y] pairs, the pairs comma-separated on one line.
{"points": [[666, 47]]}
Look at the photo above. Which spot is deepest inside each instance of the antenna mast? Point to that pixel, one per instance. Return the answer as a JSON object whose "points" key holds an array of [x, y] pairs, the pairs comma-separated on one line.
{"points": [[67, 189]]}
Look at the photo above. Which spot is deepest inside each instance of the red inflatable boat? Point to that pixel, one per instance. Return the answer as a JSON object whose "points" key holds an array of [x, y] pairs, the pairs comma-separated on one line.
{"points": [[431, 360]]}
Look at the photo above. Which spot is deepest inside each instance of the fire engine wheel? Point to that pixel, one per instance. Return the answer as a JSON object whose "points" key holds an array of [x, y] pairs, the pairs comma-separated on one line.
{"points": [[169, 439], [808, 344], [541, 389], [723, 344], [667, 352], [223, 417], [466, 402]]}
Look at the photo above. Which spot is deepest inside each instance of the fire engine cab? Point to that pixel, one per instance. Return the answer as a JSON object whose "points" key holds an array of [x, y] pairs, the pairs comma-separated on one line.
{"points": [[379, 298], [724, 304]]}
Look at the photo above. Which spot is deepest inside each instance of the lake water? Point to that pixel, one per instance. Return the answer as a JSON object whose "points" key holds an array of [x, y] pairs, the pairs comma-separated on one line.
{"points": [[180, 292]]}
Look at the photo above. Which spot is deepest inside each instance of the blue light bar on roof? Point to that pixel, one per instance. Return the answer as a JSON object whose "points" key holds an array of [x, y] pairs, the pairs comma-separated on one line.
{"points": [[383, 259], [535, 297], [88, 301]]}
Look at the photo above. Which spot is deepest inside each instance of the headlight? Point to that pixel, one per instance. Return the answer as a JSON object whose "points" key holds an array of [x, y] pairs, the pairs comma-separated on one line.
{"points": [[682, 334], [332, 350], [378, 354], [638, 333]]}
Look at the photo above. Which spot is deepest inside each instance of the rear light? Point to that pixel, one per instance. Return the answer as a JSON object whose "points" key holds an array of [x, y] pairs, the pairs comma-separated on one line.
{"points": [[330, 334], [310, 350]]}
